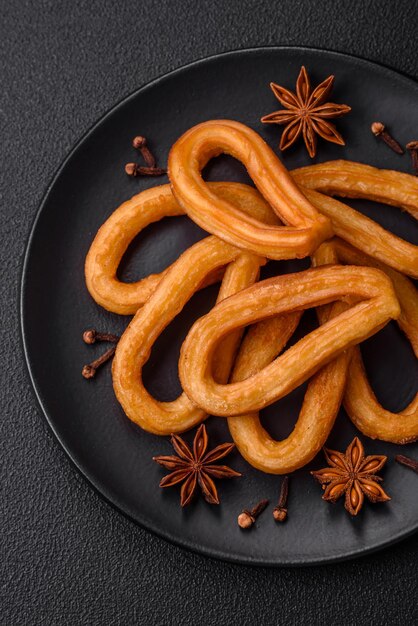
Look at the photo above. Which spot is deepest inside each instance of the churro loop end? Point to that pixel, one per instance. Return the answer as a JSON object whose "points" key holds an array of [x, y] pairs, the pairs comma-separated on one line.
{"points": [[305, 228], [128, 220]]}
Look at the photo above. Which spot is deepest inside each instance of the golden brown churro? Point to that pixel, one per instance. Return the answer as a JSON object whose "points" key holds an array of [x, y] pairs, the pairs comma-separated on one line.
{"points": [[360, 401], [317, 415], [376, 304], [305, 228], [355, 180], [180, 282], [124, 224]]}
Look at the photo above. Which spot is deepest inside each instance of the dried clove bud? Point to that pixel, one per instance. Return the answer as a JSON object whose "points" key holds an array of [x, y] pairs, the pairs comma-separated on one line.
{"points": [[247, 518], [133, 169], [91, 335], [280, 510], [140, 143], [407, 462], [412, 148], [89, 370], [379, 130]]}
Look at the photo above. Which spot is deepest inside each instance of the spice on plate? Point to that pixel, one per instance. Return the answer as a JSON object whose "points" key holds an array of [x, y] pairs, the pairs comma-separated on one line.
{"points": [[247, 518], [352, 474], [90, 370], [412, 148], [90, 337], [280, 510], [379, 130], [140, 143], [408, 462], [307, 113], [133, 169], [196, 467]]}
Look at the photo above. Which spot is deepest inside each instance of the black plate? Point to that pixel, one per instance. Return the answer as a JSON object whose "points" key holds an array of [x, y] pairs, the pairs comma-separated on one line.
{"points": [[109, 450]]}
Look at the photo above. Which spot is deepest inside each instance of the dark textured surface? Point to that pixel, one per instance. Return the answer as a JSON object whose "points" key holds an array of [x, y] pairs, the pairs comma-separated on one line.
{"points": [[66, 557]]}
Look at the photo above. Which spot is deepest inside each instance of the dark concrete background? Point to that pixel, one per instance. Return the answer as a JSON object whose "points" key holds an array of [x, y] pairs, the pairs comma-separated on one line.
{"points": [[66, 557]]}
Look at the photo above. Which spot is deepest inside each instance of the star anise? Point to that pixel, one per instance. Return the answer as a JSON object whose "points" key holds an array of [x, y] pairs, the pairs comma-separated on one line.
{"points": [[353, 474], [307, 112], [196, 467]]}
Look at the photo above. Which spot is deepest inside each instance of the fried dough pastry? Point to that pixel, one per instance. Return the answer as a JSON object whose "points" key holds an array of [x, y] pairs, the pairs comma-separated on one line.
{"points": [[176, 287], [405, 289], [305, 228], [360, 401], [127, 221], [369, 416], [321, 403], [263, 342], [355, 180], [375, 304]]}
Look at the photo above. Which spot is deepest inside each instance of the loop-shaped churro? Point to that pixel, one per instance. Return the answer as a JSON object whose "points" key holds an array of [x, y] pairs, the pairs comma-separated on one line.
{"points": [[320, 405], [360, 402], [180, 282], [366, 412], [356, 180], [127, 221], [376, 304], [305, 228]]}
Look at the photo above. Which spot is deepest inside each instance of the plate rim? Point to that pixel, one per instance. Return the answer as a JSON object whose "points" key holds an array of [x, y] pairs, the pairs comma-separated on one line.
{"points": [[87, 476]]}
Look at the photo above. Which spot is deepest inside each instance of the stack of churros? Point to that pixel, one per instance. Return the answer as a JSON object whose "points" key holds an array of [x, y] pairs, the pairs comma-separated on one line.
{"points": [[358, 282]]}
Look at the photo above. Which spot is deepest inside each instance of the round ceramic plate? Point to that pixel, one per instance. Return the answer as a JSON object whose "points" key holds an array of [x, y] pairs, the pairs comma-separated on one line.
{"points": [[113, 453]]}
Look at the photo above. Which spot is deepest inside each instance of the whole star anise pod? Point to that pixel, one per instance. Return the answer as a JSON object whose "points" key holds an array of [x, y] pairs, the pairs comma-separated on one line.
{"points": [[307, 112], [196, 467], [352, 474]]}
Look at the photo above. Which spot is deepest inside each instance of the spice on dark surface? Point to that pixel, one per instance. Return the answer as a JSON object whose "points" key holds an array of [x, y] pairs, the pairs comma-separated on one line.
{"points": [[140, 143], [412, 148], [150, 169], [91, 336], [280, 510], [133, 169], [246, 518], [407, 462], [307, 113], [196, 467], [379, 130], [352, 474], [89, 371]]}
